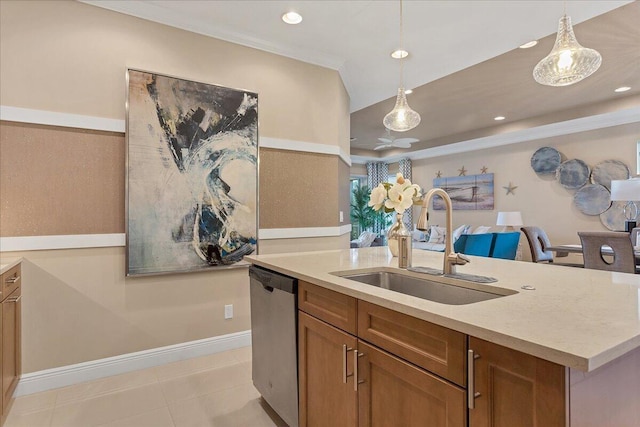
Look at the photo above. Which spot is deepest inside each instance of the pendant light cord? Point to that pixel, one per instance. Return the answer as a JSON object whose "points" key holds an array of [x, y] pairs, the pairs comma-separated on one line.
{"points": [[402, 49]]}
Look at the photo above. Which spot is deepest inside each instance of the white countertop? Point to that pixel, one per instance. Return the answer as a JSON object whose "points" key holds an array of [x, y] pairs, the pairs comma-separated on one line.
{"points": [[8, 263], [575, 317]]}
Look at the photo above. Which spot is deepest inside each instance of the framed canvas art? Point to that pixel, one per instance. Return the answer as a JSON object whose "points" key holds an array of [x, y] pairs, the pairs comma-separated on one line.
{"points": [[473, 192], [192, 174]]}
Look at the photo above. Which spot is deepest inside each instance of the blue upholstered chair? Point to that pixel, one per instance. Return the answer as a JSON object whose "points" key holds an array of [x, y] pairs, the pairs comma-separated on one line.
{"points": [[505, 245]]}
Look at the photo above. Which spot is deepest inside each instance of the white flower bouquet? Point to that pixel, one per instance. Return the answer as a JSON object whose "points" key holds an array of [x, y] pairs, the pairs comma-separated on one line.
{"points": [[397, 197]]}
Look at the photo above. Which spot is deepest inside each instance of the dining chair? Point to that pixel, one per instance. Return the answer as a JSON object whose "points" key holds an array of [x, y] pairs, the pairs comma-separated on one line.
{"points": [[538, 244], [623, 257], [635, 233], [538, 241]]}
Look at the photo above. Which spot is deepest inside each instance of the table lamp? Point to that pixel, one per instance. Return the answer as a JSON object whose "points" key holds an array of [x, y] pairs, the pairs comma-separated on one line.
{"points": [[627, 190], [509, 220]]}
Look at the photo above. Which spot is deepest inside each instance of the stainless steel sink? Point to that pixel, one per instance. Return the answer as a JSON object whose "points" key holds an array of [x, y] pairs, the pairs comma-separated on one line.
{"points": [[444, 290]]}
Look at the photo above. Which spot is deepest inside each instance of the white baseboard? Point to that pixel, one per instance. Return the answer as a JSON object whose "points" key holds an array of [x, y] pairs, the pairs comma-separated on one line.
{"points": [[63, 376]]}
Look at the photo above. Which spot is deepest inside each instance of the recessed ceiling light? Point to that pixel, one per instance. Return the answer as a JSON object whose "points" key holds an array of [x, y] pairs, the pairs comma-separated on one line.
{"points": [[399, 54], [498, 118], [408, 91], [622, 89], [527, 45], [292, 18]]}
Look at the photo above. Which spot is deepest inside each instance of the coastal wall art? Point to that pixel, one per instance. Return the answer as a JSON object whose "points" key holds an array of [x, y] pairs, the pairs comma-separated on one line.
{"points": [[592, 185], [191, 174], [473, 192]]}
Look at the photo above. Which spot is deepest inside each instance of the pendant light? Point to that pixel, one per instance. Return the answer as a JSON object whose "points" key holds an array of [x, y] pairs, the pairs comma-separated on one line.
{"points": [[568, 62], [402, 118]]}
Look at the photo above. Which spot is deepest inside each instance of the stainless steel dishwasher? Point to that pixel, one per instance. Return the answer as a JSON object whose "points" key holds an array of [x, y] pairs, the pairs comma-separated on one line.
{"points": [[274, 340]]}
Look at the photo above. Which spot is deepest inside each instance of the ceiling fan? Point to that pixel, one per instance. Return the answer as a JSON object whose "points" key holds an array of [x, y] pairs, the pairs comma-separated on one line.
{"points": [[388, 141]]}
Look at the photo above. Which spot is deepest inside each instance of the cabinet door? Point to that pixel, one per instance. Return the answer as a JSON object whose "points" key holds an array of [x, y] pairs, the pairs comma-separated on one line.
{"points": [[515, 389], [11, 346], [325, 369], [393, 392]]}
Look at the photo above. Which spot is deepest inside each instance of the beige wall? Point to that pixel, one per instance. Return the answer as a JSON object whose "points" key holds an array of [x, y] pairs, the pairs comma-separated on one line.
{"points": [[542, 200], [70, 57]]}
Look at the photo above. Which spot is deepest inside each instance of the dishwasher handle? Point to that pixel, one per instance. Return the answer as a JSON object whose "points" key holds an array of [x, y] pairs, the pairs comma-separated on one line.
{"points": [[271, 280]]}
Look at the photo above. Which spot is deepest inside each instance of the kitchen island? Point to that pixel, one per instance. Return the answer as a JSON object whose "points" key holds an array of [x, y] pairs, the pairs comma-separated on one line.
{"points": [[586, 322]]}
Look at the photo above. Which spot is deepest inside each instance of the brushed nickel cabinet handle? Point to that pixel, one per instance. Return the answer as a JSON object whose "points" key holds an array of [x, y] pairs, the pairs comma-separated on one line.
{"points": [[345, 350], [471, 393], [12, 280], [14, 299], [356, 381]]}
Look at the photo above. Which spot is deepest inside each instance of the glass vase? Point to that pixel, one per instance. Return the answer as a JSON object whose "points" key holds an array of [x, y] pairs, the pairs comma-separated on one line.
{"points": [[395, 231]]}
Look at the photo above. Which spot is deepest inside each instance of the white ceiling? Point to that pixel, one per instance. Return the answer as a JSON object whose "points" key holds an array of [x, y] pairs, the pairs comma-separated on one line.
{"points": [[356, 37]]}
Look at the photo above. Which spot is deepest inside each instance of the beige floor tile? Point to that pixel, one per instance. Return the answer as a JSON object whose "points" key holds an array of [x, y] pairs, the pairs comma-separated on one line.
{"points": [[156, 418], [206, 382], [196, 364], [31, 419], [242, 354], [34, 402], [100, 387], [110, 407], [237, 407]]}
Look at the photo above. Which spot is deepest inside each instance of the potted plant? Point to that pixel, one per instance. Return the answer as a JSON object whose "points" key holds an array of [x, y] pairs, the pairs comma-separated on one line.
{"points": [[363, 217]]}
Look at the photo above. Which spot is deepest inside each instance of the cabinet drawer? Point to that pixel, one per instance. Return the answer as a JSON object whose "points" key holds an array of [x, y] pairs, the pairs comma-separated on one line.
{"points": [[10, 281], [432, 347], [333, 307]]}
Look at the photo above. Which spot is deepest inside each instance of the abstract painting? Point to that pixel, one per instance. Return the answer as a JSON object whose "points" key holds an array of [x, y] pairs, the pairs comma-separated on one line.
{"points": [[473, 192], [191, 174]]}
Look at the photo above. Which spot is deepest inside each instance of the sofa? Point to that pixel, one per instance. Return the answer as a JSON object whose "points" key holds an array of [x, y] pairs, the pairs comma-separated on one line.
{"points": [[433, 239], [478, 242], [366, 239]]}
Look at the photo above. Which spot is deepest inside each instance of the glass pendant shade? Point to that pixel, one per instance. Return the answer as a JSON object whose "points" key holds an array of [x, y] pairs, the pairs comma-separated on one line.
{"points": [[402, 118], [568, 62]]}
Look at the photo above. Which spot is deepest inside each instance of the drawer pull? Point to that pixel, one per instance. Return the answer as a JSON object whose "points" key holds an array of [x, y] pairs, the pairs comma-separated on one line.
{"points": [[13, 299], [12, 280], [345, 350], [471, 393]]}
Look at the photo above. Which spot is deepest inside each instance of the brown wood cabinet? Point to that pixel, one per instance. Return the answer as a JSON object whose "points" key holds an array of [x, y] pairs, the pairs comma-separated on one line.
{"points": [[345, 381], [407, 372], [514, 389], [326, 393], [11, 328], [393, 392]]}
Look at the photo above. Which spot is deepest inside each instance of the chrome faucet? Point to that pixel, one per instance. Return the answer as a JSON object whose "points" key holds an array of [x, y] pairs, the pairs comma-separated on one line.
{"points": [[451, 259]]}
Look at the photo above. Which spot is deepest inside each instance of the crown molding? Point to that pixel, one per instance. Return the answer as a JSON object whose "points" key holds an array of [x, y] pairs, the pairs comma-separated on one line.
{"points": [[156, 13], [583, 124]]}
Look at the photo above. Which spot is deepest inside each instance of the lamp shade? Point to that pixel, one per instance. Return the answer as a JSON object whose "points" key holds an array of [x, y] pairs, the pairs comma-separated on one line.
{"points": [[509, 218], [627, 190]]}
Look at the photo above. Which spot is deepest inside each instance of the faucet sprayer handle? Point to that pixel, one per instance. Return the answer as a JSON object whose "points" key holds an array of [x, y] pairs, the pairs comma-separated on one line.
{"points": [[461, 259]]}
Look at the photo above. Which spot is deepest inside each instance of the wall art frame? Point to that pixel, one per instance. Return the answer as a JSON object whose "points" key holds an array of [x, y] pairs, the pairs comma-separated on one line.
{"points": [[469, 192], [192, 175]]}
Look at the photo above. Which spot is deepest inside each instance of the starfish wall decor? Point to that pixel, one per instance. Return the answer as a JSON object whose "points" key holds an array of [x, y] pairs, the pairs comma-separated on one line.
{"points": [[510, 189], [484, 169], [463, 171], [438, 174]]}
